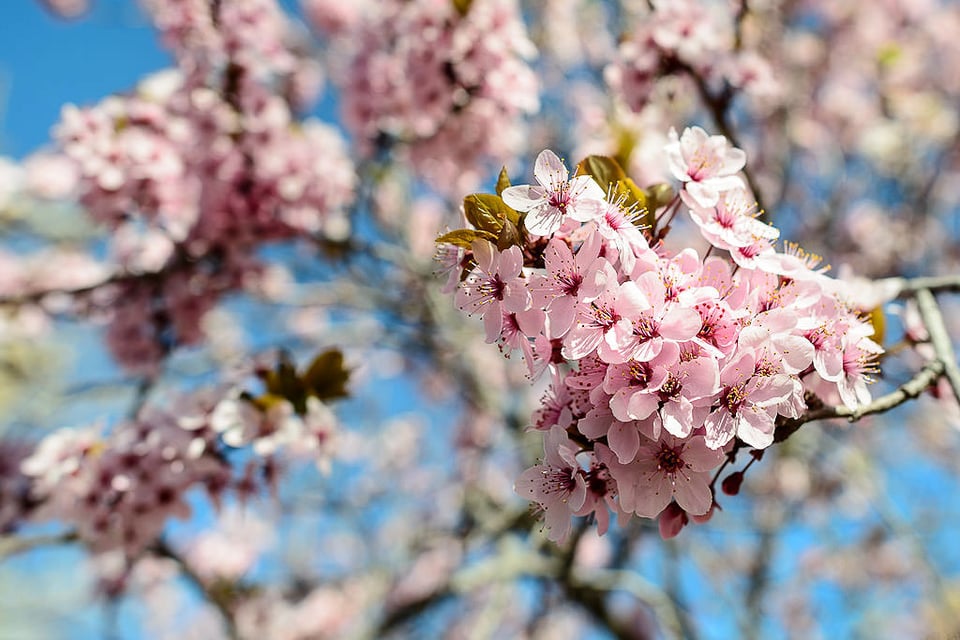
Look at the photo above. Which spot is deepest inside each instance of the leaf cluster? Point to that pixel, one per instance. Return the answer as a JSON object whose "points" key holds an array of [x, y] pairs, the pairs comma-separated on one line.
{"points": [[325, 378]]}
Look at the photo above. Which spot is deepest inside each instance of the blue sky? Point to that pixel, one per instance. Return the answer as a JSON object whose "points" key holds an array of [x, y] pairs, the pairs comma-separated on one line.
{"points": [[46, 62]]}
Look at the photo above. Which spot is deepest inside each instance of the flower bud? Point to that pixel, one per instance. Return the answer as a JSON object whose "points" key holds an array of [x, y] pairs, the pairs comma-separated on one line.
{"points": [[672, 520], [731, 484]]}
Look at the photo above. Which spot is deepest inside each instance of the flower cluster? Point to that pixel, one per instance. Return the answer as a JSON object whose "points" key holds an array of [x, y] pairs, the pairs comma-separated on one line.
{"points": [[687, 35], [117, 489], [662, 362], [451, 84], [200, 166]]}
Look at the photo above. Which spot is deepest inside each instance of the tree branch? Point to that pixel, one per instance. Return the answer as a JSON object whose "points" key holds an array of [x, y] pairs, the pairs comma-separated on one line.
{"points": [[909, 390], [910, 286], [11, 545], [163, 550], [939, 338]]}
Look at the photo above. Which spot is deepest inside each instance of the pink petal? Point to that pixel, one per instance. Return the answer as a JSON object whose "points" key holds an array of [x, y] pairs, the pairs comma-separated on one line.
{"points": [[485, 254], [493, 322], [511, 262], [654, 492], [524, 197], [624, 440], [755, 427], [693, 494], [543, 221], [549, 170]]}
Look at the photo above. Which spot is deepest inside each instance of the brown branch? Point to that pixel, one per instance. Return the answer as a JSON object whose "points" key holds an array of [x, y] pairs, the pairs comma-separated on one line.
{"points": [[163, 550], [11, 545], [939, 338], [909, 390], [906, 287]]}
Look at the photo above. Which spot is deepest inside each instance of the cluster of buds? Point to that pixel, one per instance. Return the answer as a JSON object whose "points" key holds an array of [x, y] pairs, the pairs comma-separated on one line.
{"points": [[663, 363]]}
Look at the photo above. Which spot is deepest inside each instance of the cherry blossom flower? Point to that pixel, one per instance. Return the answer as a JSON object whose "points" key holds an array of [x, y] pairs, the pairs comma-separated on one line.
{"points": [[659, 321], [570, 279], [664, 470], [558, 484], [707, 165], [732, 222], [555, 197], [747, 404], [859, 362], [494, 287], [661, 359], [605, 323]]}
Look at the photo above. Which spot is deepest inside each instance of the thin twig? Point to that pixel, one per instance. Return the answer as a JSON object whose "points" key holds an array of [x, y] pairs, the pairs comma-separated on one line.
{"points": [[909, 390], [939, 338], [905, 287], [163, 550], [12, 545]]}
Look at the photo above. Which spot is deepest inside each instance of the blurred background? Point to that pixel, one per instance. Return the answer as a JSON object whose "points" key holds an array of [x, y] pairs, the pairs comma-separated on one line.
{"points": [[138, 306]]}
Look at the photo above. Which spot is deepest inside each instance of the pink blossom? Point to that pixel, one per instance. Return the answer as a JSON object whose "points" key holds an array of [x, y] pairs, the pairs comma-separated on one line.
{"points": [[570, 279], [751, 255], [859, 362], [619, 227], [707, 165], [633, 385], [494, 287], [747, 404], [554, 197], [732, 222], [558, 484], [664, 470], [687, 393], [604, 324], [658, 321]]}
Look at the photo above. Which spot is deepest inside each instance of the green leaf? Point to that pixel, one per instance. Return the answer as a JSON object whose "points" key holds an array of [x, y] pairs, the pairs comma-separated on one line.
{"points": [[659, 195], [462, 6], [283, 381], [503, 181], [509, 236], [879, 322], [889, 54], [263, 402], [326, 377], [465, 237], [487, 211], [604, 169]]}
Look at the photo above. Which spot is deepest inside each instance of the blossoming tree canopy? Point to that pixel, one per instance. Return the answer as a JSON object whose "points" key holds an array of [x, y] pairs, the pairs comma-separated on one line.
{"points": [[235, 387], [663, 364]]}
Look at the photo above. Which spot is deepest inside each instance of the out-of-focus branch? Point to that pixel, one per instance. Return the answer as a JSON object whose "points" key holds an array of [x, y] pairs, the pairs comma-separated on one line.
{"points": [[177, 261], [587, 589], [11, 545], [30, 297], [939, 338], [905, 287], [769, 523], [672, 591], [163, 550], [634, 584]]}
